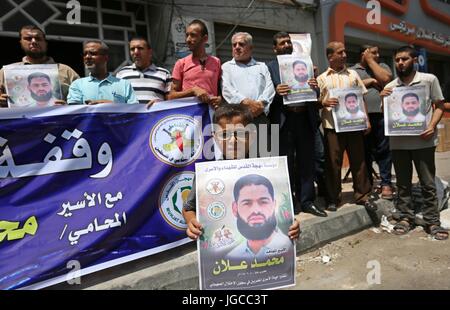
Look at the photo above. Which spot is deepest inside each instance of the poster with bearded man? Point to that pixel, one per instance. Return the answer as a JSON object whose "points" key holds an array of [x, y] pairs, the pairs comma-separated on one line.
{"points": [[245, 209], [295, 71], [350, 113], [32, 85], [407, 111]]}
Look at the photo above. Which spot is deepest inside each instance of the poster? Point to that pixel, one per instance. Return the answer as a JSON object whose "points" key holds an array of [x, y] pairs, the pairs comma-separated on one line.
{"points": [[32, 85], [96, 185], [301, 44], [407, 112], [245, 208], [350, 113], [295, 71]]}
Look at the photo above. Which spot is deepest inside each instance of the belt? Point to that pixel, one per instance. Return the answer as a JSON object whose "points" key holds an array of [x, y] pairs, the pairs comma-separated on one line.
{"points": [[296, 109]]}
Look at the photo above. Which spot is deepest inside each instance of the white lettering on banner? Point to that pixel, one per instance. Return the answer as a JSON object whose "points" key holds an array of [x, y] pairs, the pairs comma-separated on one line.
{"points": [[74, 16], [374, 15], [53, 161], [421, 33]]}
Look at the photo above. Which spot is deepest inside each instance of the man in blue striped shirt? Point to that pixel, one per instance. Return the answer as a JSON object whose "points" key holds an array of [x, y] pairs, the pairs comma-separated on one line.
{"points": [[150, 83]]}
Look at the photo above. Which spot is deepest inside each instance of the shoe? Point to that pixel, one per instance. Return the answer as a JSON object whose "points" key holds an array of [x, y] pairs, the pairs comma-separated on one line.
{"points": [[332, 207], [386, 192], [312, 209]]}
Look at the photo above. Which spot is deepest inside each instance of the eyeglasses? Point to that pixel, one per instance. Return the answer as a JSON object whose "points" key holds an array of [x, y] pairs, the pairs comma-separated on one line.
{"points": [[237, 134], [92, 53]]}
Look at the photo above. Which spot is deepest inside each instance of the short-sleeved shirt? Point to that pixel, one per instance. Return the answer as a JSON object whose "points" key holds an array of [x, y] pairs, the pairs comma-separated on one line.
{"points": [[190, 73], [331, 79], [148, 84], [65, 73], [110, 88], [372, 97], [434, 94]]}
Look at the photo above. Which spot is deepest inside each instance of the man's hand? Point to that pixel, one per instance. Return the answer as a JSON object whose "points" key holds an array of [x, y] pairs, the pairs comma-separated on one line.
{"points": [[256, 107], [294, 230], [4, 101], [428, 134], [368, 56], [330, 102], [201, 94], [374, 84], [215, 102], [313, 83], [194, 229], [94, 102], [151, 103], [386, 92], [60, 102], [283, 89]]}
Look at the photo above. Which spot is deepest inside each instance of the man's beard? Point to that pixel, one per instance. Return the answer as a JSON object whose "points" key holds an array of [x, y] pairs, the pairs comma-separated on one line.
{"points": [[406, 72], [301, 78], [354, 110], [258, 231], [412, 112], [42, 98], [35, 55]]}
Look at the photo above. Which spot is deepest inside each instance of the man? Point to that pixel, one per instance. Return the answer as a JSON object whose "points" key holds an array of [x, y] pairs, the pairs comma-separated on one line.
{"points": [[246, 81], [254, 207], [352, 106], [34, 45], [197, 74], [416, 149], [298, 126], [100, 86], [339, 76], [375, 75], [150, 83], [41, 89], [411, 109], [229, 121], [300, 70]]}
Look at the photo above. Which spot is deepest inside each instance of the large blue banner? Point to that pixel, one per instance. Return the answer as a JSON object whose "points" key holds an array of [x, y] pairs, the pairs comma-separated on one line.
{"points": [[93, 186]]}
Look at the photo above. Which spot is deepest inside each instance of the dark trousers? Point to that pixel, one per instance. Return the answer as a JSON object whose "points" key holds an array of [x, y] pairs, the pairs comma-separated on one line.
{"points": [[423, 160], [297, 142], [336, 144], [377, 149], [319, 163]]}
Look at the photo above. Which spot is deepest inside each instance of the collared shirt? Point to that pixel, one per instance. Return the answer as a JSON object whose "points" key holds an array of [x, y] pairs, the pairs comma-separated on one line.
{"points": [[372, 98], [279, 244], [148, 84], [331, 79], [434, 94], [251, 80], [65, 73], [190, 73], [111, 88]]}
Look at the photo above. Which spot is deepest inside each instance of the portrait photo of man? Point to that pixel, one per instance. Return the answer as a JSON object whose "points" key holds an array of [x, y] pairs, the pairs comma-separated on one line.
{"points": [[353, 108], [411, 109], [41, 89], [301, 75], [254, 208]]}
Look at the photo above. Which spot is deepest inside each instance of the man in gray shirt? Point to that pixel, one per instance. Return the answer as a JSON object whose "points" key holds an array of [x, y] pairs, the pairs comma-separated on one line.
{"points": [[375, 76]]}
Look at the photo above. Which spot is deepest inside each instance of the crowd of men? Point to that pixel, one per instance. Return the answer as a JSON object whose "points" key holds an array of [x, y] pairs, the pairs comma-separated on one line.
{"points": [[313, 157]]}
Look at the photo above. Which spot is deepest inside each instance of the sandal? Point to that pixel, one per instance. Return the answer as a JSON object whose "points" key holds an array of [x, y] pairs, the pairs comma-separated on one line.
{"points": [[437, 232], [402, 227]]}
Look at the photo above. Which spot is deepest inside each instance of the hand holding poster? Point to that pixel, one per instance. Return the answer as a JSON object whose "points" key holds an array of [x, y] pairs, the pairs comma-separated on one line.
{"points": [[350, 113], [406, 111], [295, 71], [32, 85], [245, 208]]}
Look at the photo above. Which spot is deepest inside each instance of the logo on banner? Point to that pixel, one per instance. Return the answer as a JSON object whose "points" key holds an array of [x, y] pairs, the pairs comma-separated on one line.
{"points": [[215, 187], [172, 198], [177, 140], [216, 210]]}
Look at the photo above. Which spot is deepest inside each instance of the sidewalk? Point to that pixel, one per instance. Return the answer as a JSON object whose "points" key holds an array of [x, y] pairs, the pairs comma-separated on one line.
{"points": [[178, 269]]}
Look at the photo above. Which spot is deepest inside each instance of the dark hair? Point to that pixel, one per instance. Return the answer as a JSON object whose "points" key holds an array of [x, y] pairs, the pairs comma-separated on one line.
{"points": [[407, 48], [140, 38], [299, 62], [104, 48], [365, 47], [38, 75], [350, 95], [279, 35], [30, 27], [410, 95], [204, 29], [252, 179], [229, 111]]}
